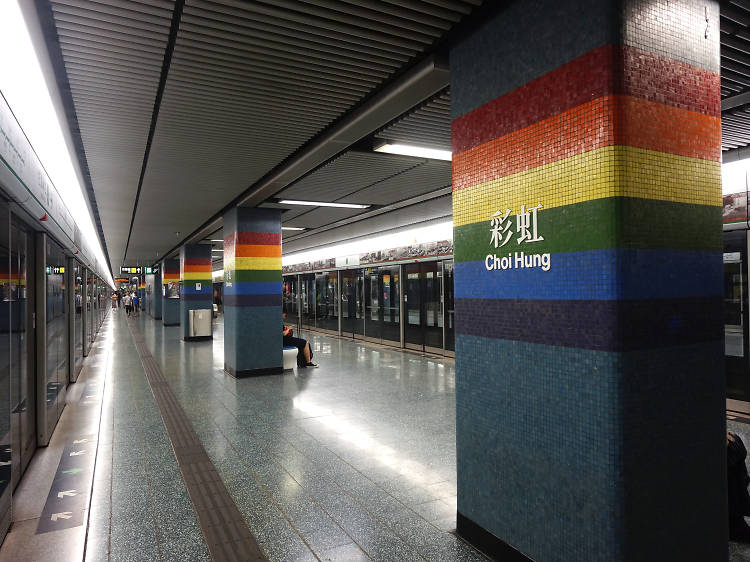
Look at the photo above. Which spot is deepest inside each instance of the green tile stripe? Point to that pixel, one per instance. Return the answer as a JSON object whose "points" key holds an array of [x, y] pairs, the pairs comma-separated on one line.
{"points": [[262, 275], [610, 223], [192, 282]]}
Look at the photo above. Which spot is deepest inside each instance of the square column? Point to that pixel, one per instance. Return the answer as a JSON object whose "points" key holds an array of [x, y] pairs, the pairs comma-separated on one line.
{"points": [[196, 286], [590, 409], [171, 302], [252, 292]]}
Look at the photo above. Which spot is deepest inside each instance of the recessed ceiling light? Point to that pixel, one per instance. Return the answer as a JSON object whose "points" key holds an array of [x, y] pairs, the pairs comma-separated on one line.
{"points": [[219, 240], [418, 151], [217, 250], [323, 204], [292, 228]]}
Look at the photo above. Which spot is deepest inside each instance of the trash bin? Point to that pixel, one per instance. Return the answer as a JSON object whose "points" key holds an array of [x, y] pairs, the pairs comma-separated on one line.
{"points": [[199, 322]]}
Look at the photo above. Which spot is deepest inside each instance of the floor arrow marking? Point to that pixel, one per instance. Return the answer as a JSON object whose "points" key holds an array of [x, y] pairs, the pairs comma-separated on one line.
{"points": [[66, 493], [63, 515], [72, 471], [80, 441], [76, 453]]}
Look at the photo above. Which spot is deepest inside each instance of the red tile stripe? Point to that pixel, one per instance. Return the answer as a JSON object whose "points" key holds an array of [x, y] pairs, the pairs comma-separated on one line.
{"points": [[606, 121], [608, 70], [255, 238]]}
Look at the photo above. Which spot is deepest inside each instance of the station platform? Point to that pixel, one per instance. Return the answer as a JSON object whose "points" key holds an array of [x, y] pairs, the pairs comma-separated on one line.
{"points": [[353, 460]]}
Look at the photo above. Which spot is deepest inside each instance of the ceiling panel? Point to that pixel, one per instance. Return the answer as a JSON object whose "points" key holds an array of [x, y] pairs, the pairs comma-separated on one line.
{"points": [[424, 178], [348, 174], [321, 216]]}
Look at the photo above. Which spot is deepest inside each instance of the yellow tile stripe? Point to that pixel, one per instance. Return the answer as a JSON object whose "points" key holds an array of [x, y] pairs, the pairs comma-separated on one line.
{"points": [[612, 171], [196, 275], [173, 279], [253, 263]]}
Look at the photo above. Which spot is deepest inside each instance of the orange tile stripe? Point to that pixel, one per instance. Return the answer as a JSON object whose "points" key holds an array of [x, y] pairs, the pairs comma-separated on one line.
{"points": [[196, 268], [607, 121], [257, 251]]}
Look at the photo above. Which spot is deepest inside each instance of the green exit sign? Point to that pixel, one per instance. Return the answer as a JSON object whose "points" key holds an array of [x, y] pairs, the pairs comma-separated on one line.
{"points": [[149, 271]]}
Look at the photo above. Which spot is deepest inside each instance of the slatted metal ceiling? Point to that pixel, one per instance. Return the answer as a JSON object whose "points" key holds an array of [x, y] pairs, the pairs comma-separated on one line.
{"points": [[113, 56], [735, 73], [248, 84], [429, 125]]}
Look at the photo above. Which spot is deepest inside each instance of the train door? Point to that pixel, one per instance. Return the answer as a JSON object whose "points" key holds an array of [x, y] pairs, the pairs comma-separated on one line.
{"points": [[736, 320]]}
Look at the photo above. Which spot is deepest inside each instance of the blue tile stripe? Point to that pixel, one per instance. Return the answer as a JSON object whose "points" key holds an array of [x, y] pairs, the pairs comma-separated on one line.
{"points": [[254, 288], [598, 275]]}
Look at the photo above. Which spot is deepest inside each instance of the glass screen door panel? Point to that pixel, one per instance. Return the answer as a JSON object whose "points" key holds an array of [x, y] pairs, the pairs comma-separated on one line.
{"points": [[289, 301], [448, 300], [326, 301], [23, 411], [351, 316], [432, 308], [373, 324], [391, 304], [308, 300], [736, 315], [413, 332], [78, 312]]}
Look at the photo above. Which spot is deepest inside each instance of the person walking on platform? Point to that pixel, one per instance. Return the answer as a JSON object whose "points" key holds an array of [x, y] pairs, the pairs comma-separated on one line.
{"points": [[114, 300], [136, 302], [128, 302]]}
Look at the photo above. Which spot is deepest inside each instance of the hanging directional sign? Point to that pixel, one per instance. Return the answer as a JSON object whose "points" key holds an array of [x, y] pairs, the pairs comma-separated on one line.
{"points": [[130, 269]]}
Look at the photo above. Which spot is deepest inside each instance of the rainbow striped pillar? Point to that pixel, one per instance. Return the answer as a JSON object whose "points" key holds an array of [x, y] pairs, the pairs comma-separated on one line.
{"points": [[196, 285], [588, 281], [252, 292], [171, 301]]}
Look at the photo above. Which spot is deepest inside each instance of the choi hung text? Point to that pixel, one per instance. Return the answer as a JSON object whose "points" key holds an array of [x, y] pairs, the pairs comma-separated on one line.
{"points": [[526, 228]]}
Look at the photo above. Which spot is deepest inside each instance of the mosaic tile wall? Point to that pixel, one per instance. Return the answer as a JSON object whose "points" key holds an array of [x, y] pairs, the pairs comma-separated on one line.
{"points": [[252, 291], [196, 282], [588, 280], [170, 307]]}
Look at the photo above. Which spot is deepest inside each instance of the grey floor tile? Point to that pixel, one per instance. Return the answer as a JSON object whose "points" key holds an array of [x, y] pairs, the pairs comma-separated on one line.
{"points": [[346, 553]]}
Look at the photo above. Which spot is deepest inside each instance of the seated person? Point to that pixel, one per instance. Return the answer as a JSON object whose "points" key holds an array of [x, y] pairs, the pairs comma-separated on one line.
{"points": [[304, 353], [737, 479]]}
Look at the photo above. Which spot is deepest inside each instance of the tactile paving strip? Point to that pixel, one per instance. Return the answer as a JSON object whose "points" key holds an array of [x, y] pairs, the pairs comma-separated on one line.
{"points": [[224, 528]]}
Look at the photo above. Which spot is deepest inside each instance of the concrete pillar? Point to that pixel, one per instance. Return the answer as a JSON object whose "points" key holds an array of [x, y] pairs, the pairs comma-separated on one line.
{"points": [[252, 292], [170, 286], [196, 285], [588, 281]]}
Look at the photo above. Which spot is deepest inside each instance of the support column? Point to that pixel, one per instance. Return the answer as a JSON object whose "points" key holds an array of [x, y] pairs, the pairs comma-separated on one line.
{"points": [[252, 292], [170, 283], [196, 286], [156, 293], [590, 411]]}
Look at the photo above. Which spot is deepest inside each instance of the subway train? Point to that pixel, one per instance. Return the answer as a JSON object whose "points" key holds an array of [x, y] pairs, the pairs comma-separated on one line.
{"points": [[53, 300]]}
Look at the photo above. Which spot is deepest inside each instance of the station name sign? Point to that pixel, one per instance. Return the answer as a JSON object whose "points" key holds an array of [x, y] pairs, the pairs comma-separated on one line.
{"points": [[55, 270], [526, 232]]}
